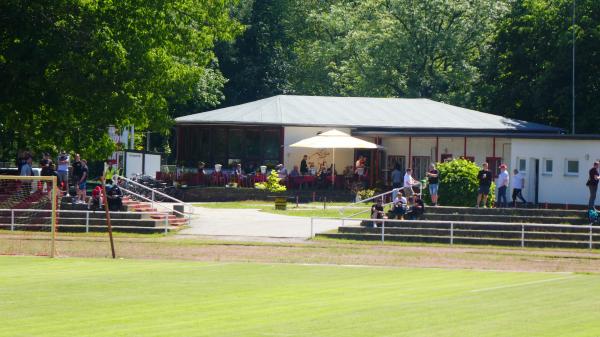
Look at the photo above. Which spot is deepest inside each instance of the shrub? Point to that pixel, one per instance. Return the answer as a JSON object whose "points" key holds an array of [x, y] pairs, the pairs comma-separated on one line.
{"points": [[365, 194], [272, 184], [459, 184]]}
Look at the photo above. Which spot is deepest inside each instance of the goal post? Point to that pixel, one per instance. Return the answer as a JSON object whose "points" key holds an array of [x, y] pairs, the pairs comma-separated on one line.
{"points": [[28, 215]]}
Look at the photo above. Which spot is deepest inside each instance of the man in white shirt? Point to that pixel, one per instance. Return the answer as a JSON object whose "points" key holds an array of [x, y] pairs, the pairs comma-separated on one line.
{"points": [[503, 181], [409, 181], [518, 185]]}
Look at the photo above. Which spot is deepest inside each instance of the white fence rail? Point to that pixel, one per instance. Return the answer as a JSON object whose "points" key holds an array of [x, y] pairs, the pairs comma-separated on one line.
{"points": [[449, 230], [18, 220]]}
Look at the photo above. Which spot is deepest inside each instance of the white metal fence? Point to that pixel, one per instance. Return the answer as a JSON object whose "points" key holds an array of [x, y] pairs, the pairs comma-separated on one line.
{"points": [[450, 231], [18, 221]]}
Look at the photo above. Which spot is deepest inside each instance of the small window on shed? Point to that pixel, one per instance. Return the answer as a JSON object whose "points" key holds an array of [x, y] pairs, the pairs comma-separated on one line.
{"points": [[522, 165], [572, 167], [548, 166]]}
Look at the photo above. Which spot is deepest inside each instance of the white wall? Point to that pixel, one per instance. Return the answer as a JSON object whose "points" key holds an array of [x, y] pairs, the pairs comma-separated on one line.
{"points": [[293, 155], [556, 187]]}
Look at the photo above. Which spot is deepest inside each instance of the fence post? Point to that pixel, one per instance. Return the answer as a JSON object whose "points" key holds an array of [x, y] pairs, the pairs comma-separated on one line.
{"points": [[87, 222], [311, 227], [522, 235], [452, 233], [591, 236], [383, 230], [12, 219], [166, 223], [152, 198]]}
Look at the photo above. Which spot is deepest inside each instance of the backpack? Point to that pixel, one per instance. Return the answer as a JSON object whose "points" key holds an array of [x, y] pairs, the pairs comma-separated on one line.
{"points": [[593, 216]]}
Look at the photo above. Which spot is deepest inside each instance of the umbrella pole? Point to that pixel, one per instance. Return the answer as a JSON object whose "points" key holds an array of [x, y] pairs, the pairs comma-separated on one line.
{"points": [[333, 170]]}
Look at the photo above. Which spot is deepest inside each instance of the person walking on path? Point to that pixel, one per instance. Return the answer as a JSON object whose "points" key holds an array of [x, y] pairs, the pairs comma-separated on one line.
{"points": [[433, 182], [592, 184], [518, 185], [503, 181], [485, 182]]}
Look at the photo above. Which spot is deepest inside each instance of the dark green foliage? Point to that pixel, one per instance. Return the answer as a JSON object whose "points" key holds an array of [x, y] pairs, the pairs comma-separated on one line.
{"points": [[458, 184], [71, 68]]}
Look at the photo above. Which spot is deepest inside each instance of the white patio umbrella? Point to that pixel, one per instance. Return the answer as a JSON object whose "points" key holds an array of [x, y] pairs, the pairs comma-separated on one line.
{"points": [[334, 139]]}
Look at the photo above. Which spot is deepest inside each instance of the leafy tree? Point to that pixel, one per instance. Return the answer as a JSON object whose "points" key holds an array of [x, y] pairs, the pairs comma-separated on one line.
{"points": [[397, 47], [529, 74], [70, 68], [459, 184]]}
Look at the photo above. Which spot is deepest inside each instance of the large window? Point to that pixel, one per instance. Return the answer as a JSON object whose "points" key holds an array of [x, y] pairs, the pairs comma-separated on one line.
{"points": [[228, 145], [420, 164]]}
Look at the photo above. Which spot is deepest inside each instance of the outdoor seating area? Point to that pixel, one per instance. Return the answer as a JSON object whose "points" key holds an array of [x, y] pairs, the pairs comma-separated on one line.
{"points": [[229, 177]]}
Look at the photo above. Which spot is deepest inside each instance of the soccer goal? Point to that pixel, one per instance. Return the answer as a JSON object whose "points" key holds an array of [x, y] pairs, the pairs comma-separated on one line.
{"points": [[28, 208]]}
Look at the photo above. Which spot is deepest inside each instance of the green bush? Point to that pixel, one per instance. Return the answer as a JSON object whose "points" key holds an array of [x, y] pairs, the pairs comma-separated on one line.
{"points": [[459, 184], [272, 184]]}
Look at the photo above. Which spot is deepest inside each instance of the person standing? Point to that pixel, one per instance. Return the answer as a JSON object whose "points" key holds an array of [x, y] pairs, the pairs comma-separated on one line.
{"points": [[503, 181], [485, 182], [433, 182], [592, 184], [396, 177], [304, 165], [26, 169], [409, 181], [76, 176], [82, 181], [518, 185], [63, 171]]}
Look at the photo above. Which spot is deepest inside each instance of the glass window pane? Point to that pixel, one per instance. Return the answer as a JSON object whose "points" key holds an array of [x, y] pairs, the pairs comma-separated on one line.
{"points": [[252, 144], [235, 143], [573, 166], [271, 145], [522, 165], [548, 165]]}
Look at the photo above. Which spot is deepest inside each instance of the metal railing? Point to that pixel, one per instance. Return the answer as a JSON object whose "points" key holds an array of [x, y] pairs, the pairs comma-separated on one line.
{"points": [[383, 197], [524, 229], [15, 219], [151, 196]]}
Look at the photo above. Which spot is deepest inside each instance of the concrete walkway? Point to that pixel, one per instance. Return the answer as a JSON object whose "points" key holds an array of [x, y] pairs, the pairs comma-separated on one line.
{"points": [[253, 223]]}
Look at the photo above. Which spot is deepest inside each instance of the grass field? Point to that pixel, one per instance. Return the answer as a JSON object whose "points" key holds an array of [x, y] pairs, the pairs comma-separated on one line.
{"points": [[101, 297]]}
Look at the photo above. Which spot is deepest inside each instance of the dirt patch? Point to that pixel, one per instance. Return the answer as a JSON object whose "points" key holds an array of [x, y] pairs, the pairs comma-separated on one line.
{"points": [[317, 252]]}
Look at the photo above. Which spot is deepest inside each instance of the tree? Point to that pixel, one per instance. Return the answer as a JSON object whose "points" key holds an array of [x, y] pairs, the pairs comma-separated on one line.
{"points": [[529, 74], [70, 68], [398, 48]]}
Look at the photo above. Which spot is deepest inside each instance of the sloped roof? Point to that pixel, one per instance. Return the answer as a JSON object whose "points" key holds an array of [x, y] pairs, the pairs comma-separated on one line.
{"points": [[360, 112]]}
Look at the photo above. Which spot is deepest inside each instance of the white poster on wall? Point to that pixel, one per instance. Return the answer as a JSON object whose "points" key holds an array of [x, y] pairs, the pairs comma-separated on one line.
{"points": [[151, 164], [134, 164]]}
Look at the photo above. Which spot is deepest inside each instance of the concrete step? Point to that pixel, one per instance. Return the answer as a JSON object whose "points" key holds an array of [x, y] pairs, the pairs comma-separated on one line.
{"points": [[533, 212], [573, 220]]}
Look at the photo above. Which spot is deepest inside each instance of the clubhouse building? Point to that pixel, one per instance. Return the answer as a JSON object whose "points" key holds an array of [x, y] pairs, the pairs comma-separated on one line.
{"points": [[410, 132]]}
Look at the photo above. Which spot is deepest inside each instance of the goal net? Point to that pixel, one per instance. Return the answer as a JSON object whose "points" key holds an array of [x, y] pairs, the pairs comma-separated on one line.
{"points": [[27, 215]]}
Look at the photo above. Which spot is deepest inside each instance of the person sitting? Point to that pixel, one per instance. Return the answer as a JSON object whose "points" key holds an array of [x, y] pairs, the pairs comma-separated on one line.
{"points": [[417, 209], [96, 200], [295, 172], [115, 197], [400, 206], [377, 212], [281, 171]]}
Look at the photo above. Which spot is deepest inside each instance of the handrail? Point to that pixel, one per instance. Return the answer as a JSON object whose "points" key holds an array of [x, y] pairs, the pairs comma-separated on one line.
{"points": [[159, 204], [381, 195], [153, 191]]}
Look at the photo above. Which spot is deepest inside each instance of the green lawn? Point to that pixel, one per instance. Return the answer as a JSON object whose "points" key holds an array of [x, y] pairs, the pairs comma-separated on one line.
{"points": [[97, 297], [313, 209]]}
